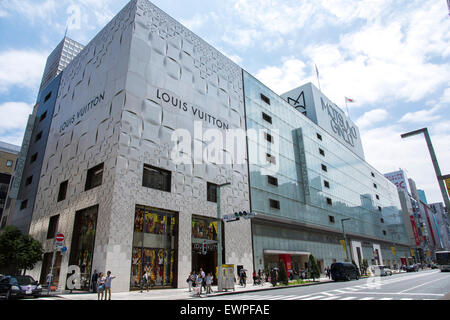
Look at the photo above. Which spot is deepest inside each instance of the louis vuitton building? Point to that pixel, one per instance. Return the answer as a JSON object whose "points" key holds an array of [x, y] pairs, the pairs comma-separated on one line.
{"points": [[125, 177]]}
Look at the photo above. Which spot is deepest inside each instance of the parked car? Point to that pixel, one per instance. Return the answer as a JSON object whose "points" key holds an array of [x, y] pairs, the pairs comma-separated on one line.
{"points": [[412, 268], [19, 287], [382, 271], [434, 266], [344, 271]]}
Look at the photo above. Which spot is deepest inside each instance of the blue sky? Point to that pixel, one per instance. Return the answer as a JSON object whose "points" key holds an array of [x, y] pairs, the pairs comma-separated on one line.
{"points": [[391, 57]]}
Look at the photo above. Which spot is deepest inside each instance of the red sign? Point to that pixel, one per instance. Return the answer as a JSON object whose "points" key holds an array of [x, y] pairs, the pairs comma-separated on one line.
{"points": [[416, 234], [59, 237]]}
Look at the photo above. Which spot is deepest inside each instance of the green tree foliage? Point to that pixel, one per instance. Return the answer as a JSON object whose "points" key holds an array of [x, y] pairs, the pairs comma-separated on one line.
{"points": [[18, 251], [283, 274], [313, 267], [356, 266]]}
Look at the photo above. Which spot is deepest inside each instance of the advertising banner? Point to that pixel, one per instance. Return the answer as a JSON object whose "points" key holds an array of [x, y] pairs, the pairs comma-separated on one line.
{"points": [[393, 250], [447, 183], [399, 179], [343, 244], [416, 234]]}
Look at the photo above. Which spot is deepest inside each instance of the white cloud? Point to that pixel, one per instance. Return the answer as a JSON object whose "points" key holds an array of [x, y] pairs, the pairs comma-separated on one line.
{"points": [[22, 68], [386, 151], [17, 115], [290, 75], [421, 116], [32, 10], [372, 117]]}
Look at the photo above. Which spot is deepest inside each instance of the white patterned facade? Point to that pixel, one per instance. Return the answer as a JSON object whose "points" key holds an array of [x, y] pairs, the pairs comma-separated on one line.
{"points": [[140, 51]]}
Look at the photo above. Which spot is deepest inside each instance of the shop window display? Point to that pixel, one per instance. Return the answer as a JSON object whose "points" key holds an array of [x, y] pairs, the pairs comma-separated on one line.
{"points": [[154, 247]]}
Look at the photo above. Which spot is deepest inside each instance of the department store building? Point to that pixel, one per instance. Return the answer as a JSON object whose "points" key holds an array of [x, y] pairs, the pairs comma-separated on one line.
{"points": [[130, 178]]}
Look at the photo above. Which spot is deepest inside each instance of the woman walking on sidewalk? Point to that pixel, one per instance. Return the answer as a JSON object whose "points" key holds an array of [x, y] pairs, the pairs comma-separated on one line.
{"points": [[100, 286]]}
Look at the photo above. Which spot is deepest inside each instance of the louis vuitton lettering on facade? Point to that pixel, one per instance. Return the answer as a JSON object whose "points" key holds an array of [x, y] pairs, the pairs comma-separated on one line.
{"points": [[82, 111], [169, 98], [340, 125]]}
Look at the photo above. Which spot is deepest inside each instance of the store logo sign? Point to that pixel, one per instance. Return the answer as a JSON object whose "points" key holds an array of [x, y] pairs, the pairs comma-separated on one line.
{"points": [[82, 112], [339, 124]]}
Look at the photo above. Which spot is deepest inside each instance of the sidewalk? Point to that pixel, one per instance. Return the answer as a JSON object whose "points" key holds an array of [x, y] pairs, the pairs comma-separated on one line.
{"points": [[170, 294]]}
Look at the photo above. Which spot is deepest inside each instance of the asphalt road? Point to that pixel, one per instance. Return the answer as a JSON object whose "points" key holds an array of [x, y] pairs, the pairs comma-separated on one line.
{"points": [[422, 285]]}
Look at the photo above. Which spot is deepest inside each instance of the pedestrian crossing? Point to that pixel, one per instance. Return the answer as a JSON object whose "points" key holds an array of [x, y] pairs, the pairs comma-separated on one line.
{"points": [[309, 297]]}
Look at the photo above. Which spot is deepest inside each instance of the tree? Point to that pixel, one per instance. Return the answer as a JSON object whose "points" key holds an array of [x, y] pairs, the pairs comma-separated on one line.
{"points": [[283, 274], [313, 267], [356, 266], [18, 251]]}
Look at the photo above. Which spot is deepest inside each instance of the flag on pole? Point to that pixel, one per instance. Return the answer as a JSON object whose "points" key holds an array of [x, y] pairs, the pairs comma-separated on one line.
{"points": [[349, 100]]}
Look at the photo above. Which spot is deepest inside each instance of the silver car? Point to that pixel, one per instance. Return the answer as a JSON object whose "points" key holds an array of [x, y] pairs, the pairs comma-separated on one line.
{"points": [[382, 271]]}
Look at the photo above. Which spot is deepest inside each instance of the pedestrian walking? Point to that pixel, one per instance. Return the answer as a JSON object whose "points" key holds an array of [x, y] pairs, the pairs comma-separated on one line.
{"points": [[203, 276], [208, 281], [94, 281], [100, 286], [108, 281], [144, 281], [198, 286], [190, 280]]}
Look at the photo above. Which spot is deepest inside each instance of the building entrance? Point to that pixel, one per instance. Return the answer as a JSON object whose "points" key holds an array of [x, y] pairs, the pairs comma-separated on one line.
{"points": [[204, 233]]}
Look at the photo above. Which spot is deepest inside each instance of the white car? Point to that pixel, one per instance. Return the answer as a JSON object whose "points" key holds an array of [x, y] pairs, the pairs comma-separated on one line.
{"points": [[381, 271]]}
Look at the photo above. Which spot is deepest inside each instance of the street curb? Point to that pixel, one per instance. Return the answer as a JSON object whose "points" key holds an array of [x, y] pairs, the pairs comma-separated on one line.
{"points": [[271, 288]]}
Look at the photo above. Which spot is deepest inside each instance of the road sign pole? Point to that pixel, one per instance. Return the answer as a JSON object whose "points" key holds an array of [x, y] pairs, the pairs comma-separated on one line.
{"points": [[51, 271]]}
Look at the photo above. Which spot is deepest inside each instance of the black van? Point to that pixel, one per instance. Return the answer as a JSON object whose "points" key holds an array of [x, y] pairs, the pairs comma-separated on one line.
{"points": [[344, 271]]}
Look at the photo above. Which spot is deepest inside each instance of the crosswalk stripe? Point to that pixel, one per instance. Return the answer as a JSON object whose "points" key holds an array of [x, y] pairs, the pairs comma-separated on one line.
{"points": [[314, 298], [291, 297], [299, 297], [348, 298], [386, 298], [367, 298], [330, 298], [406, 299], [275, 298], [328, 294]]}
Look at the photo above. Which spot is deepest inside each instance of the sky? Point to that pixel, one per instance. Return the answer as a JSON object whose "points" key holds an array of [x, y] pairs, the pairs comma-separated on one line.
{"points": [[391, 57]]}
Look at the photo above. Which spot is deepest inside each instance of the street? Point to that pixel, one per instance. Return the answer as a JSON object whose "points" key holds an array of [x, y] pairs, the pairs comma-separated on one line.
{"points": [[422, 285]]}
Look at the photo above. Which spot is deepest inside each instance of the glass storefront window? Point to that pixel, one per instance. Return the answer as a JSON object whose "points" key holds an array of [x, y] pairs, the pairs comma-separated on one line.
{"points": [[83, 240], [154, 247]]}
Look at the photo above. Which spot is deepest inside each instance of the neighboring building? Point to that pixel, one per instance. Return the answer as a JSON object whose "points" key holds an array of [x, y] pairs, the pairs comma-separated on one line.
{"points": [[443, 224], [319, 179], [123, 181], [422, 229], [422, 196], [27, 174], [59, 59], [8, 158]]}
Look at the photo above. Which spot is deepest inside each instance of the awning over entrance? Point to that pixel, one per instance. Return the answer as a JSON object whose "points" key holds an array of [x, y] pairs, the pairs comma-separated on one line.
{"points": [[292, 253]]}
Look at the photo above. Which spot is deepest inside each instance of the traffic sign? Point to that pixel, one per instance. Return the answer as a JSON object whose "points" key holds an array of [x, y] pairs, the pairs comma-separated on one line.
{"points": [[59, 237]]}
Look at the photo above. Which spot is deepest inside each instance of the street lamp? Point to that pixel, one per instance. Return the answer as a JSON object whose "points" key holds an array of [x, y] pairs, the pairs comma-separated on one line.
{"points": [[345, 237], [219, 239], [434, 160]]}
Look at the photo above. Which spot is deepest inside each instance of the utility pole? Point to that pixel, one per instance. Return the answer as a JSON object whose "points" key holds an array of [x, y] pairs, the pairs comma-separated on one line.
{"points": [[219, 239], [434, 160]]}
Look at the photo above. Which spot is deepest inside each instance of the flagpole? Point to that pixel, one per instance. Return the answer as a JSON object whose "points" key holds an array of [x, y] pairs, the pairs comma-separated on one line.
{"points": [[348, 113], [317, 74]]}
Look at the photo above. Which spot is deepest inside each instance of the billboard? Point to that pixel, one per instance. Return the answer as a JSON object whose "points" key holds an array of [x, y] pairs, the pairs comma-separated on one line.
{"points": [[399, 179]]}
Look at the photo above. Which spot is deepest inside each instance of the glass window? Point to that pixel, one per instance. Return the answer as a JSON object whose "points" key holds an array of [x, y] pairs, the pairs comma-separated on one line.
{"points": [[94, 177], [9, 163], [272, 180], [156, 178], [63, 190], [29, 180], [43, 116], [211, 192], [324, 168], [268, 137], [154, 247], [52, 227], [266, 117], [23, 204], [326, 184], [275, 204], [265, 99], [33, 157], [319, 136]]}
